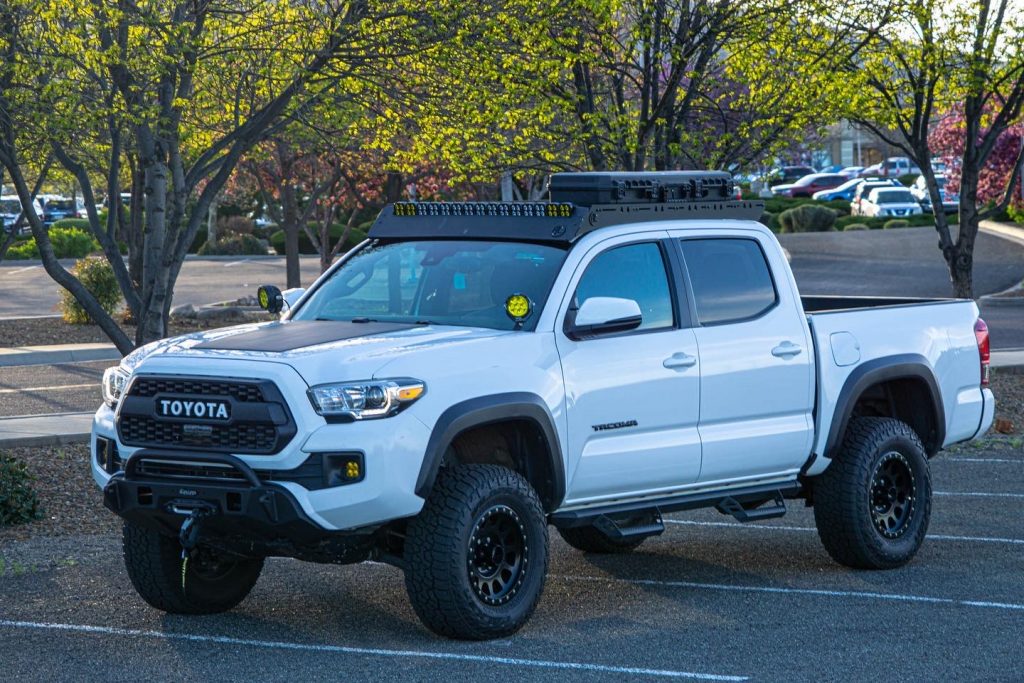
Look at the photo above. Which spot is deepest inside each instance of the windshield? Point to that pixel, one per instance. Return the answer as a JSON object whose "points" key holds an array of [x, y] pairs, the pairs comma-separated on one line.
{"points": [[894, 197], [10, 206], [438, 282], [61, 204]]}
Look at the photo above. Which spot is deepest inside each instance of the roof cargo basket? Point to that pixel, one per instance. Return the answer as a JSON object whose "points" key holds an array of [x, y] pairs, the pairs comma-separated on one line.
{"points": [[588, 189]]}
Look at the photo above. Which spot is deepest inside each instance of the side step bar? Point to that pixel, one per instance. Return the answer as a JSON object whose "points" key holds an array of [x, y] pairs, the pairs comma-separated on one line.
{"points": [[745, 504]]}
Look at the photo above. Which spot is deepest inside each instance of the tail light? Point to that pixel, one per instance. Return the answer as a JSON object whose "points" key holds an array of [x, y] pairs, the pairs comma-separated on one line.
{"points": [[984, 350]]}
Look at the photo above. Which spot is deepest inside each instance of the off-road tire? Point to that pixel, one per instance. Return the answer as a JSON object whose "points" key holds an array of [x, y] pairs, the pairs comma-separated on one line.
{"points": [[844, 502], [591, 540], [439, 574], [154, 566]]}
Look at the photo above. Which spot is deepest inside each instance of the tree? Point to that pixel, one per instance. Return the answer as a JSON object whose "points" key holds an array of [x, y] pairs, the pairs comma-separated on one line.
{"points": [[146, 82], [926, 60]]}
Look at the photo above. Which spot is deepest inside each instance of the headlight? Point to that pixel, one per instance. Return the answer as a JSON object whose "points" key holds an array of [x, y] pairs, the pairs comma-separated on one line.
{"points": [[114, 381], [365, 400]]}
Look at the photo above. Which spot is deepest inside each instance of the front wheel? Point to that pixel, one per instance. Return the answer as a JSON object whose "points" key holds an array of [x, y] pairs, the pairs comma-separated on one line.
{"points": [[477, 554], [207, 584], [873, 503]]}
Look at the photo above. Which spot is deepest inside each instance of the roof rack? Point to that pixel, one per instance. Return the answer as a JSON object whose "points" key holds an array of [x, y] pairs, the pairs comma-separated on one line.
{"points": [[580, 203]]}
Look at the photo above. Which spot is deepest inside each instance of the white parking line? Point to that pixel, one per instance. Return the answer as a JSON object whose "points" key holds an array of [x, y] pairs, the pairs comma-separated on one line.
{"points": [[53, 388], [22, 270], [780, 527], [1010, 460], [978, 494], [370, 651], [869, 595], [235, 263]]}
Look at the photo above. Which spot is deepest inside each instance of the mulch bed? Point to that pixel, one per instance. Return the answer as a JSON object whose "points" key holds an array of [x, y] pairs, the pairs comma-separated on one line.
{"points": [[46, 331], [71, 501]]}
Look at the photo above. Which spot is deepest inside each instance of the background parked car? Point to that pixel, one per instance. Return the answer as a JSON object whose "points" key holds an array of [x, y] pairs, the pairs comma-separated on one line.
{"points": [[787, 174], [851, 171], [809, 184], [950, 200], [844, 191], [57, 208], [861, 191], [10, 209], [890, 201], [892, 167]]}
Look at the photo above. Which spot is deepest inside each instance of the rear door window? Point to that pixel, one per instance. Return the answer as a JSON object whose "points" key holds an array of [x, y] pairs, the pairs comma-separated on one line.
{"points": [[730, 279]]}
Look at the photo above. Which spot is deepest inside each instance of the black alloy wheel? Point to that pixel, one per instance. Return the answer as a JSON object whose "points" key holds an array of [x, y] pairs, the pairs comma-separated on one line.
{"points": [[498, 556], [893, 491]]}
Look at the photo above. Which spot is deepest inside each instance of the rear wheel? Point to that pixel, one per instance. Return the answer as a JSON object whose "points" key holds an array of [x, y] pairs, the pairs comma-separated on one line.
{"points": [[207, 584], [873, 503], [477, 554]]}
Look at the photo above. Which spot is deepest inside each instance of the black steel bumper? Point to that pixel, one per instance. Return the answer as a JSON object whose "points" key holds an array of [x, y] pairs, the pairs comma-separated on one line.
{"points": [[246, 515]]}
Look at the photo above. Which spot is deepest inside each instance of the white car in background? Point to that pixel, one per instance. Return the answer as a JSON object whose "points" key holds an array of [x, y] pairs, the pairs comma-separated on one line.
{"points": [[10, 211], [950, 200], [887, 202]]}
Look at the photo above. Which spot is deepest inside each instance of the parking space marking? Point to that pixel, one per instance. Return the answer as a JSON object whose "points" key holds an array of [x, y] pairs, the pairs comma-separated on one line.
{"points": [[22, 270], [978, 494], [235, 263], [370, 651], [780, 527], [1010, 460], [821, 592], [53, 388]]}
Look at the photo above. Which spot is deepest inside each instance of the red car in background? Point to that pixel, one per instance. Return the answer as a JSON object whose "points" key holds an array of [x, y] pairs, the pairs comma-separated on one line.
{"points": [[809, 184]]}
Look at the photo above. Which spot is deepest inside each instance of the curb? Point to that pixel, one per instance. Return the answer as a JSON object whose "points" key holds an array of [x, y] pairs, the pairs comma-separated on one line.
{"points": [[38, 430], [60, 353]]}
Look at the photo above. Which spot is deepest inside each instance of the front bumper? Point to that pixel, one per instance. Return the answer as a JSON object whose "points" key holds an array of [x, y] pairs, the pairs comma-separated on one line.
{"points": [[245, 514]]}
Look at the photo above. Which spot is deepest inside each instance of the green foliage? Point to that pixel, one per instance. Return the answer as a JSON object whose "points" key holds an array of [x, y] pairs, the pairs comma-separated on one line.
{"points": [[357, 235], [67, 242], [97, 276], [908, 179], [235, 245], [896, 223], [768, 220], [18, 501], [855, 226], [807, 218], [780, 204], [1015, 213], [79, 223]]}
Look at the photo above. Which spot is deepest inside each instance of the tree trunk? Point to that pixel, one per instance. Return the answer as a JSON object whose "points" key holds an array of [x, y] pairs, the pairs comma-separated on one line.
{"points": [[136, 241], [151, 323], [393, 187], [290, 226], [960, 258]]}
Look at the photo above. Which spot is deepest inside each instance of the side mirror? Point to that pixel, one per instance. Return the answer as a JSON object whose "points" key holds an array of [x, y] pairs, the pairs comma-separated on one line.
{"points": [[270, 299], [605, 315]]}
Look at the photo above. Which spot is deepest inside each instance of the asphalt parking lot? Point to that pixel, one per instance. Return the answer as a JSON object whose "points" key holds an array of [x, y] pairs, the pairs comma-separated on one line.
{"points": [[50, 389], [709, 600]]}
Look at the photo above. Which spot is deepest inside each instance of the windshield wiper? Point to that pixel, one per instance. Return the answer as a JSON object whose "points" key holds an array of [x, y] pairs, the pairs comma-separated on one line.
{"points": [[364, 320], [424, 322]]}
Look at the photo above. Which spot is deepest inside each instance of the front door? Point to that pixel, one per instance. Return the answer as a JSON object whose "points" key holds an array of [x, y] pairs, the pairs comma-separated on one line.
{"points": [[633, 397]]}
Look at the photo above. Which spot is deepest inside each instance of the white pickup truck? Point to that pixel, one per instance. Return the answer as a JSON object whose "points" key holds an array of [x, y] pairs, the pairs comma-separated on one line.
{"points": [[476, 372]]}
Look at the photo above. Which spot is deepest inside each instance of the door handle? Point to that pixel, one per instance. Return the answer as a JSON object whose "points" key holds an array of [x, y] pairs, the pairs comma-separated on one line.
{"points": [[786, 349], [680, 361]]}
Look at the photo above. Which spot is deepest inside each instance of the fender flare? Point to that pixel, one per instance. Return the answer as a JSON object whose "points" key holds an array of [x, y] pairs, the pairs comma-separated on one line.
{"points": [[485, 410], [875, 371]]}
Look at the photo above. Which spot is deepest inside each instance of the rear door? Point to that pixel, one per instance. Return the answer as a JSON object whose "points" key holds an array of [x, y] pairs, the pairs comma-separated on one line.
{"points": [[633, 397], [757, 365]]}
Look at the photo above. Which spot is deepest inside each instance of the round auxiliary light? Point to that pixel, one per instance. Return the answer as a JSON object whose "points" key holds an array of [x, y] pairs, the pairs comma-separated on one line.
{"points": [[518, 307]]}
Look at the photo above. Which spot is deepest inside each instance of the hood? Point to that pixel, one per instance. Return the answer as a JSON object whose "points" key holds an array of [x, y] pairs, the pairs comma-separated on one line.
{"points": [[316, 349], [783, 187]]}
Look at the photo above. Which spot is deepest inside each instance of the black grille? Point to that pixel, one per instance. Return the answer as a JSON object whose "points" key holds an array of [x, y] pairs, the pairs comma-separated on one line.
{"points": [[151, 386], [152, 467], [248, 438], [260, 423]]}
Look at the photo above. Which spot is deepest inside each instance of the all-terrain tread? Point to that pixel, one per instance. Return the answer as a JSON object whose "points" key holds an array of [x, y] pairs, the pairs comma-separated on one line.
{"points": [[841, 494], [436, 549], [154, 566]]}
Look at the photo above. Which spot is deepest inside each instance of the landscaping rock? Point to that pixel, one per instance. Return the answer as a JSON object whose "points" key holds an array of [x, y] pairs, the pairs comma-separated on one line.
{"points": [[183, 312]]}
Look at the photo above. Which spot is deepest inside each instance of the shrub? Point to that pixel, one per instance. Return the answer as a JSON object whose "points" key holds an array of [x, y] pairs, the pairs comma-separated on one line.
{"points": [[357, 235], [237, 225], [67, 243], [236, 245], [896, 223], [1015, 213], [766, 219], [97, 276], [855, 226], [807, 218], [908, 179], [79, 223], [18, 501]]}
